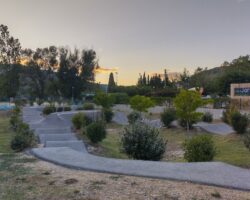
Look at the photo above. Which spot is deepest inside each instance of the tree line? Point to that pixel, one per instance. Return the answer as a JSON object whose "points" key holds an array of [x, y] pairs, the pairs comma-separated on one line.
{"points": [[45, 72]]}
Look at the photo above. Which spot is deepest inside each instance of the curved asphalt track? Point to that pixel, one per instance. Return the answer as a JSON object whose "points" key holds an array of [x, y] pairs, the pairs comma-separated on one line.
{"points": [[69, 155]]}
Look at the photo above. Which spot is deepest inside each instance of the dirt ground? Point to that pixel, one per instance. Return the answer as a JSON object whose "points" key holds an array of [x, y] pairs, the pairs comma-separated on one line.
{"points": [[46, 181]]}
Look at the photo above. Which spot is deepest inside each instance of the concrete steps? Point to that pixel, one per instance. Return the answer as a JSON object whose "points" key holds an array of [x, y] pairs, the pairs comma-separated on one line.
{"points": [[75, 145], [43, 138]]}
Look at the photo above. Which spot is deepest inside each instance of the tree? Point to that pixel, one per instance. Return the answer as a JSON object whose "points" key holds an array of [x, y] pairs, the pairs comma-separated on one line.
{"points": [[88, 64], [140, 103], [186, 103], [10, 47], [105, 100], [111, 83], [184, 79]]}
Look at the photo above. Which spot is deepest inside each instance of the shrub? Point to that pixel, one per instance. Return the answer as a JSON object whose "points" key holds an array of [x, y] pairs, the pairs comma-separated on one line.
{"points": [[49, 109], [227, 114], [134, 117], [239, 122], [120, 98], [183, 123], [78, 120], [14, 121], [108, 114], [247, 141], [207, 117], [79, 108], [200, 148], [96, 131], [103, 99], [143, 142], [23, 139], [140, 103], [67, 108], [168, 116], [88, 106]]}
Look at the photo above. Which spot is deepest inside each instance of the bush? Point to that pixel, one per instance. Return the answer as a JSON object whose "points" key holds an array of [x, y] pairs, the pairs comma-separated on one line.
{"points": [[134, 117], [23, 139], [88, 106], [78, 120], [168, 116], [108, 114], [143, 142], [140, 103], [49, 109], [96, 131], [14, 121], [67, 108], [239, 122], [207, 117], [183, 123], [200, 148], [247, 141], [227, 114], [120, 98]]}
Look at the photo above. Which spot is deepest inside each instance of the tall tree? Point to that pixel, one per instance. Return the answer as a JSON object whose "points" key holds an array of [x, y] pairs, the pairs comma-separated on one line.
{"points": [[111, 83], [10, 47]]}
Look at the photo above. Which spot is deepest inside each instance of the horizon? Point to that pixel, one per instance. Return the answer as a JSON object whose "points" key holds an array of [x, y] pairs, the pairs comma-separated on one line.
{"points": [[133, 37]]}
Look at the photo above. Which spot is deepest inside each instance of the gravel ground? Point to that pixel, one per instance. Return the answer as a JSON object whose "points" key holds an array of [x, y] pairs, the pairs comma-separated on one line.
{"points": [[99, 186]]}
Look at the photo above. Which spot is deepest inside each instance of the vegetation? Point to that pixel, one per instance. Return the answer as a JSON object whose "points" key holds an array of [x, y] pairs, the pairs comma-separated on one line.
{"points": [[140, 103], [168, 116], [103, 99], [140, 141], [134, 117], [23, 138], [49, 109], [79, 120], [120, 98], [207, 117], [6, 133], [88, 106], [186, 103], [239, 122], [108, 114], [227, 114], [199, 148], [96, 131], [247, 140]]}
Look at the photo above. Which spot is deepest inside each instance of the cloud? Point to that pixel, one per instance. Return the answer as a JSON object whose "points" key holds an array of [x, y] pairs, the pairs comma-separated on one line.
{"points": [[104, 70]]}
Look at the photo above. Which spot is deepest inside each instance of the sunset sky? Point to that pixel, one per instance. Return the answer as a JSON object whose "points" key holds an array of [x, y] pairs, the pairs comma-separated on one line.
{"points": [[133, 36]]}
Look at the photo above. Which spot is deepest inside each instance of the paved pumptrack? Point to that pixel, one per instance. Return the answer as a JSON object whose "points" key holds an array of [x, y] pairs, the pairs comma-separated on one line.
{"points": [[60, 146]]}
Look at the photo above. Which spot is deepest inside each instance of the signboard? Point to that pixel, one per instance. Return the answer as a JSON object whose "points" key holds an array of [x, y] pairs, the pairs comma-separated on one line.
{"points": [[242, 91]]}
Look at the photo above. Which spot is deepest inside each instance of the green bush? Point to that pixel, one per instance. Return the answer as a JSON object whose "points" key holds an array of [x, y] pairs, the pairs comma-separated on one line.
{"points": [[239, 122], [227, 114], [88, 106], [168, 116], [23, 138], [120, 98], [140, 103], [14, 121], [108, 114], [199, 148], [78, 120], [183, 123], [49, 109], [96, 131], [207, 117], [134, 117], [143, 142]]}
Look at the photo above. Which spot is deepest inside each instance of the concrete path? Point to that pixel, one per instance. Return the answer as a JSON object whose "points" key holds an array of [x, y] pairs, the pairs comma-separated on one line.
{"points": [[66, 153], [218, 128]]}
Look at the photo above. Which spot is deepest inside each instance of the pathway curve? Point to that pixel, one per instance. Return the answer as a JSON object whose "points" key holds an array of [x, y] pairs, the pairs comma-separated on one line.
{"points": [[64, 151]]}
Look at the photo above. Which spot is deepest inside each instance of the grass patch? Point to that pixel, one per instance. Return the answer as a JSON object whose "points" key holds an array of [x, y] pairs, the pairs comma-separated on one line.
{"points": [[5, 134], [230, 149]]}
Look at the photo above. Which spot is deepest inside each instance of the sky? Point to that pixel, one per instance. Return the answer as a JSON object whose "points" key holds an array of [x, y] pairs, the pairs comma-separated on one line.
{"points": [[133, 36]]}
